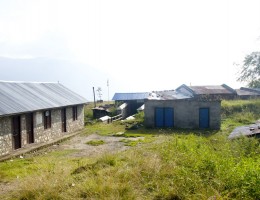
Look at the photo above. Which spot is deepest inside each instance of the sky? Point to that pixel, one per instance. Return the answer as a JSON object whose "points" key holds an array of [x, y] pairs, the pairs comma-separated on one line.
{"points": [[138, 45]]}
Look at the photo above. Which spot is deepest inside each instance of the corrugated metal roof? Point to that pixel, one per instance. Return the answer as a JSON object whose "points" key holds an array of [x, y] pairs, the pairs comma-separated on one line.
{"points": [[217, 89], [242, 92], [210, 89], [255, 91], [130, 96], [124, 105], [169, 95], [20, 97], [247, 130]]}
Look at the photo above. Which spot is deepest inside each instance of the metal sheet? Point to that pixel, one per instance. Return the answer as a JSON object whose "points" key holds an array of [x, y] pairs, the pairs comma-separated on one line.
{"points": [[130, 96], [219, 89], [20, 97]]}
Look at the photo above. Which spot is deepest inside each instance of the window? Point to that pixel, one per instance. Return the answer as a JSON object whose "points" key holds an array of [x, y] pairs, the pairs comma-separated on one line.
{"points": [[74, 113], [47, 119]]}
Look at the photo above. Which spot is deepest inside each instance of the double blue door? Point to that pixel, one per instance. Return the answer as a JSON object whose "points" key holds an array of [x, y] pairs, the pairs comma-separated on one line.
{"points": [[204, 118], [164, 117]]}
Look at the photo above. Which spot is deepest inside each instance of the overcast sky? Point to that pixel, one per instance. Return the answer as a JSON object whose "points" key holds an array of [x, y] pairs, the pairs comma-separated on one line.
{"points": [[139, 45]]}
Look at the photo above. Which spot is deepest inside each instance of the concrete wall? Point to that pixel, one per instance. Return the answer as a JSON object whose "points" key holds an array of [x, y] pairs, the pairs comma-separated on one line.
{"points": [[186, 112], [40, 134]]}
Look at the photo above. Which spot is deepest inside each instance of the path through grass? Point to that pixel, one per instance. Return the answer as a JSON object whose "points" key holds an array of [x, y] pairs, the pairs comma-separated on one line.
{"points": [[176, 164]]}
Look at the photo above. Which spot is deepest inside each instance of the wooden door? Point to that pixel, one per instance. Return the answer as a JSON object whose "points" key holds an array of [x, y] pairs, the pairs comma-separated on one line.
{"points": [[63, 120], [29, 128], [16, 124]]}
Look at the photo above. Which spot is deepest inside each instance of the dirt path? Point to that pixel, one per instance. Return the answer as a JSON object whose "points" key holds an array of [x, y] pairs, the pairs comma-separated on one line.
{"points": [[111, 145]]}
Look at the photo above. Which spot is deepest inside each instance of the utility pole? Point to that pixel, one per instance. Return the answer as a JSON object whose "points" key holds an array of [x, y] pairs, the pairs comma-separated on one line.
{"points": [[94, 97], [108, 90]]}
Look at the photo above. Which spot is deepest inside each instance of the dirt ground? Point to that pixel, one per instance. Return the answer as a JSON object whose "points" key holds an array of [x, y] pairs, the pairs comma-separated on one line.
{"points": [[111, 145]]}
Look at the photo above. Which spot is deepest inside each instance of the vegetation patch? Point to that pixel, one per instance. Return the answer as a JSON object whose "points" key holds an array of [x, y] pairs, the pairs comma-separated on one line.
{"points": [[95, 142], [178, 164], [131, 143]]}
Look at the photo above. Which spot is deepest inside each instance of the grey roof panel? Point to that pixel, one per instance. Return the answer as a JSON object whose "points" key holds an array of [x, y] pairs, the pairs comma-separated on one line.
{"points": [[19, 97], [211, 89], [242, 92], [169, 95], [130, 96]]}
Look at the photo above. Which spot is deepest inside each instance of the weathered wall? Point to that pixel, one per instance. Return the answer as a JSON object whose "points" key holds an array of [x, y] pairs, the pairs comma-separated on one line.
{"points": [[40, 134], [5, 135], [43, 135], [186, 112], [78, 124]]}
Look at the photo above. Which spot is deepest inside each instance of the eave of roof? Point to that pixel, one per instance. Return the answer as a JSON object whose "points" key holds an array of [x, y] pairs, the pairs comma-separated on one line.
{"points": [[212, 89], [22, 97], [130, 96]]}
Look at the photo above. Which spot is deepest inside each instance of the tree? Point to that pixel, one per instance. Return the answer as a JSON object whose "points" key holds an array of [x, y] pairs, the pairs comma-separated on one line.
{"points": [[99, 91], [250, 71]]}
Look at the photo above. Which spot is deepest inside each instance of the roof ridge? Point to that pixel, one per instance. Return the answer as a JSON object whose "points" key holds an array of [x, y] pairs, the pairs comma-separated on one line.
{"points": [[3, 81]]}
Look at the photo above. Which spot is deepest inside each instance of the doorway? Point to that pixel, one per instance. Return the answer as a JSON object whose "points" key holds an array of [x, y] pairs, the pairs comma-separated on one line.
{"points": [[63, 120], [204, 118], [29, 128], [164, 117], [16, 124]]}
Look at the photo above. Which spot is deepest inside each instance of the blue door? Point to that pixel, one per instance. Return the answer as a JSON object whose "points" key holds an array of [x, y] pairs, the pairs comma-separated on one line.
{"points": [[204, 118], [159, 117], [168, 117], [164, 117]]}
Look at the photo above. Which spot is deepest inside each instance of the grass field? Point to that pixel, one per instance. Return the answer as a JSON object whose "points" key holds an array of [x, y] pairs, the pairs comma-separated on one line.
{"points": [[168, 164]]}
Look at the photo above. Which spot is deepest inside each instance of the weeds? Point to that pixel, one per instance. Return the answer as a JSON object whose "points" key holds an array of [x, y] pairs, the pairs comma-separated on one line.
{"points": [[95, 142], [178, 164]]}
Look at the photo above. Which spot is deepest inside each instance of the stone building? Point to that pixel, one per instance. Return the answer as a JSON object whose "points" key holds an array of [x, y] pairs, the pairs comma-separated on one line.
{"points": [[179, 110], [36, 113]]}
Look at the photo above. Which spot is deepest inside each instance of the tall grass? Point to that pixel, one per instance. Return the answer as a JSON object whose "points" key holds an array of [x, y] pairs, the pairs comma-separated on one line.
{"points": [[177, 165], [236, 109]]}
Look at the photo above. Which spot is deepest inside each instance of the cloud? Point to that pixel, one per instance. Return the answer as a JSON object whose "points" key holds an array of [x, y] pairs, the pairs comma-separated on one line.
{"points": [[78, 77], [50, 46]]}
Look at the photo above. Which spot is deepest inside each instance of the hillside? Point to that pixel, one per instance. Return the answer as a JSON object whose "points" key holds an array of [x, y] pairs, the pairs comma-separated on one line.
{"points": [[159, 164]]}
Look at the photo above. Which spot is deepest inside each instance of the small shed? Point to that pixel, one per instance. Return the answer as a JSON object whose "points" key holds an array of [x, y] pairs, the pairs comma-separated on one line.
{"points": [[100, 111], [181, 110], [33, 112], [133, 100]]}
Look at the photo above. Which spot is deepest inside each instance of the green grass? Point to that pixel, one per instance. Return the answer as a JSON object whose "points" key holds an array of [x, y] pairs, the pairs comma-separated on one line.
{"points": [[132, 143], [105, 129], [95, 142], [30, 164], [175, 164]]}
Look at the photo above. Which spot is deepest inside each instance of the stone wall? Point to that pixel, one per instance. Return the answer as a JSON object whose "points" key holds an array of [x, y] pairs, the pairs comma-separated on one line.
{"points": [[5, 135], [40, 134], [186, 112]]}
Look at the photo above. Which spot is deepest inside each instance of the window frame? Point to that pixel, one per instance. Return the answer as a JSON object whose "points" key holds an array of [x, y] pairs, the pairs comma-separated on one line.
{"points": [[47, 119]]}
